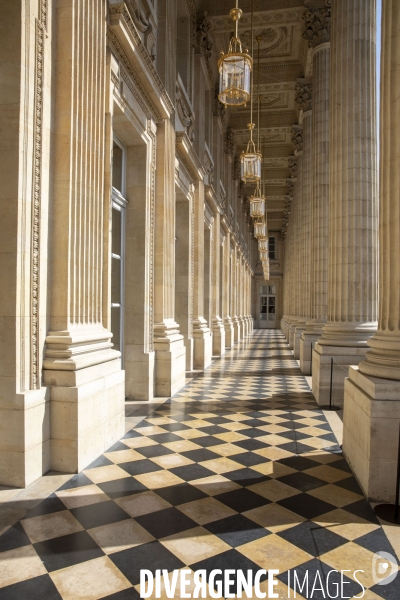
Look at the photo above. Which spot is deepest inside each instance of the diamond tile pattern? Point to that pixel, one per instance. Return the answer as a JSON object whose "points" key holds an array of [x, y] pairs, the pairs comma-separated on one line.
{"points": [[239, 470]]}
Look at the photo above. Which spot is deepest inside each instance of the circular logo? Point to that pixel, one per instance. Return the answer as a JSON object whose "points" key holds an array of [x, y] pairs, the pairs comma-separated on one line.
{"points": [[384, 568]]}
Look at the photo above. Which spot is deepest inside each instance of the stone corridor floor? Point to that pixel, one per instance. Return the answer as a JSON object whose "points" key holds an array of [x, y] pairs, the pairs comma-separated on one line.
{"points": [[240, 470]]}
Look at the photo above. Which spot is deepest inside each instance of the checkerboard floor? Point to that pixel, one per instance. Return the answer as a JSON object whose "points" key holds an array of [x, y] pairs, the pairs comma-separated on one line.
{"points": [[239, 470]]}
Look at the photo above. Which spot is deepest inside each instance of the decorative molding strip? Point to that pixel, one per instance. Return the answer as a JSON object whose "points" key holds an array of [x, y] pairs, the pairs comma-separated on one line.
{"points": [[152, 134], [37, 196]]}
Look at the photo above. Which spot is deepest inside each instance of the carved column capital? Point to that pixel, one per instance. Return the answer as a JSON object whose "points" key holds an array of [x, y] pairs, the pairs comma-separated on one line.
{"points": [[303, 94], [317, 23], [297, 138]]}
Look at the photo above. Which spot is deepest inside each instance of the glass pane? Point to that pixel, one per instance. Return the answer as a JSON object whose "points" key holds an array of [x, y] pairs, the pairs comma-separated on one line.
{"points": [[271, 303], [263, 290], [116, 231], [272, 290], [263, 317], [271, 317], [116, 327], [115, 281], [117, 165]]}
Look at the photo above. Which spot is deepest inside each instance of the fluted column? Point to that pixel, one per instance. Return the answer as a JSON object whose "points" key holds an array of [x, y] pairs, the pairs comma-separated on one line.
{"points": [[352, 286], [229, 334], [217, 325], [235, 279], [304, 99], [297, 259], [372, 406], [317, 33]]}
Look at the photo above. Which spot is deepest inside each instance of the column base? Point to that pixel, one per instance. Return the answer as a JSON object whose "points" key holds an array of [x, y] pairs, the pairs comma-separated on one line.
{"points": [[291, 332], [237, 331], [218, 337], [321, 370], [371, 432], [243, 326], [229, 333], [202, 339], [189, 345], [170, 359], [139, 373], [298, 332], [87, 413], [310, 337]]}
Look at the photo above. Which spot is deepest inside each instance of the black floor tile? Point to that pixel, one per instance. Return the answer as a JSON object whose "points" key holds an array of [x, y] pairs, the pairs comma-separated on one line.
{"points": [[192, 472], [174, 427], [122, 487], [101, 513], [132, 433], [14, 537], [389, 591], [237, 530], [181, 494], [67, 550], [302, 481], [307, 506], [249, 459], [376, 541], [208, 441], [312, 538], [52, 504], [251, 444], [246, 477], [153, 451], [165, 438], [362, 509], [38, 588], [166, 522], [253, 432], [129, 594], [297, 448], [102, 461], [242, 500], [300, 463], [139, 467], [201, 455], [151, 556], [118, 446], [350, 484], [76, 481], [212, 430]]}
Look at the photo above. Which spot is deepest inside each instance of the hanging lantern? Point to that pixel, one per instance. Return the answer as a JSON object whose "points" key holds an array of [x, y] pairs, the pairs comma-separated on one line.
{"points": [[257, 204], [262, 245], [260, 230], [250, 161], [235, 69]]}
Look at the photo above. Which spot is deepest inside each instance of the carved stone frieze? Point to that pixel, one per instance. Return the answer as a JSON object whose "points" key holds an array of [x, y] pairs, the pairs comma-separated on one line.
{"points": [[297, 138], [303, 94], [138, 16], [317, 23]]}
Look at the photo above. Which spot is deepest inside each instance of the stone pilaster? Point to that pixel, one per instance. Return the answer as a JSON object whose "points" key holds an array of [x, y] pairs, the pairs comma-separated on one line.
{"points": [[217, 325], [235, 292], [81, 367], [317, 32], [372, 392], [353, 220], [201, 332], [297, 175]]}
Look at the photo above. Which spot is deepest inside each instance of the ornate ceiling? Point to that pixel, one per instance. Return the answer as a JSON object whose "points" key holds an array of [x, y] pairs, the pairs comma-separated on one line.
{"points": [[283, 59]]}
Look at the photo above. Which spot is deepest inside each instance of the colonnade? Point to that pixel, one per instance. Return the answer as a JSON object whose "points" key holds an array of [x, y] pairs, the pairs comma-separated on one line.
{"points": [[341, 319]]}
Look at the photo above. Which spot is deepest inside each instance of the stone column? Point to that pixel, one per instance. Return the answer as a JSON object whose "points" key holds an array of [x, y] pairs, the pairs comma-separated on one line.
{"points": [[235, 297], [170, 358], [372, 392], [304, 99], [217, 325], [353, 219], [229, 333], [317, 33], [201, 332], [297, 175], [81, 367]]}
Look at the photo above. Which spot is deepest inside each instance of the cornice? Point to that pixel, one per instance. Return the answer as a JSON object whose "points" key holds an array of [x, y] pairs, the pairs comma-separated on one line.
{"points": [[187, 154]]}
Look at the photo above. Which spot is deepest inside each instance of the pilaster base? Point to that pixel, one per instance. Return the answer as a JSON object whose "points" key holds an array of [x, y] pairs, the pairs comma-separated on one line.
{"points": [[189, 345], [87, 413], [218, 337], [321, 370], [229, 333], [291, 332], [139, 373], [202, 339], [170, 363], [371, 432]]}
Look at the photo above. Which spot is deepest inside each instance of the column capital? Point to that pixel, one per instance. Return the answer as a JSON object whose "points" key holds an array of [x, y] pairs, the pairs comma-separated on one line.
{"points": [[317, 22], [297, 138], [303, 94]]}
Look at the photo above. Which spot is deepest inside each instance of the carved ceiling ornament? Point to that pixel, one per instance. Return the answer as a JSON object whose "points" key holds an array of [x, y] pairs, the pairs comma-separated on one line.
{"points": [[317, 25], [303, 94], [138, 16], [204, 44], [297, 138], [272, 38]]}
